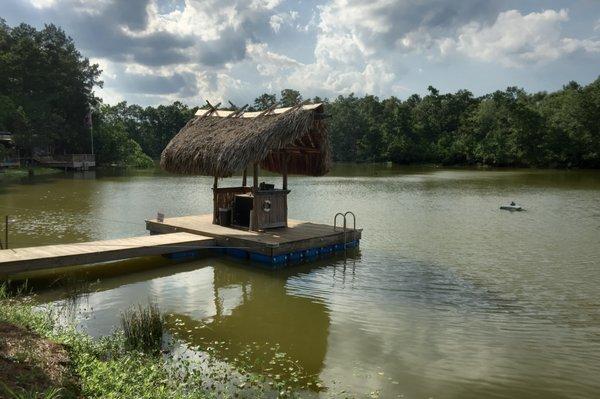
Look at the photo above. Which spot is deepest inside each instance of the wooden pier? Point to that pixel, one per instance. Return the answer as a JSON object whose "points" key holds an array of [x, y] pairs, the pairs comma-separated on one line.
{"points": [[185, 235], [80, 162], [300, 239], [53, 256]]}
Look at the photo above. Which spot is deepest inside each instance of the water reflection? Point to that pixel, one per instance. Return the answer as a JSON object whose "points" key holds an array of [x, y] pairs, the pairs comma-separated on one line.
{"points": [[214, 300], [253, 313]]}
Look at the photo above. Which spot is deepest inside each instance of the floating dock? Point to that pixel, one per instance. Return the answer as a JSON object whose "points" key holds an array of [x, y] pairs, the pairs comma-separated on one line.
{"points": [[182, 237], [21, 260], [274, 246]]}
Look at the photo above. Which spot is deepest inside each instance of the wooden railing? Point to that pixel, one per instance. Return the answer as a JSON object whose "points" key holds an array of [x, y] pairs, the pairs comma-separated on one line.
{"points": [[70, 158], [7, 162]]}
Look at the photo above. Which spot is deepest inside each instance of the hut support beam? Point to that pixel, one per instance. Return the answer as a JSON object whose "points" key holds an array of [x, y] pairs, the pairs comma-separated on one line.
{"points": [[244, 177], [215, 210], [284, 162], [255, 176], [254, 213]]}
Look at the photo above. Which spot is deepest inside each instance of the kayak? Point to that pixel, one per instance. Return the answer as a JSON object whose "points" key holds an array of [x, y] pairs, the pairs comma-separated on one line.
{"points": [[512, 207]]}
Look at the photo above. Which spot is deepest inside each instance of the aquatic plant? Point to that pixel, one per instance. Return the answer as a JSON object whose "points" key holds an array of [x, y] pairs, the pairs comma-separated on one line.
{"points": [[143, 328], [9, 289], [51, 393]]}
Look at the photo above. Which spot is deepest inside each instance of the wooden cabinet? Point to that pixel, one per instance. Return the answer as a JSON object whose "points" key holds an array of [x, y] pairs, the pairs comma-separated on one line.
{"points": [[270, 209]]}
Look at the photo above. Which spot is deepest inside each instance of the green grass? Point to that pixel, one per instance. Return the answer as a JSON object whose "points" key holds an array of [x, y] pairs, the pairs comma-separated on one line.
{"points": [[143, 328], [23, 172], [51, 393], [105, 367]]}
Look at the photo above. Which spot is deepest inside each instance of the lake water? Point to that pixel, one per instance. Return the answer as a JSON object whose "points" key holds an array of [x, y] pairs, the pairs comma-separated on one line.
{"points": [[448, 296]]}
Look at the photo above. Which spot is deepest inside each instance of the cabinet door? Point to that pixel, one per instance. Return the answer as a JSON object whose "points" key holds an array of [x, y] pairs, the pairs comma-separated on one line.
{"points": [[271, 210]]}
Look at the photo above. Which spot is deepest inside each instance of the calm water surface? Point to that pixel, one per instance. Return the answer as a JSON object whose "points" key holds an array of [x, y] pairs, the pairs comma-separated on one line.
{"points": [[448, 297]]}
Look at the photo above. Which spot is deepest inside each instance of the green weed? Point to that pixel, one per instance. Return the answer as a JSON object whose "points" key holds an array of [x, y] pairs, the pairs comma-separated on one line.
{"points": [[143, 328], [50, 393]]}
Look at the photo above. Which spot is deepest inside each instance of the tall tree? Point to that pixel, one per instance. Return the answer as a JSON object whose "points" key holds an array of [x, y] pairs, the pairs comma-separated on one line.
{"points": [[45, 76], [264, 101], [290, 97]]}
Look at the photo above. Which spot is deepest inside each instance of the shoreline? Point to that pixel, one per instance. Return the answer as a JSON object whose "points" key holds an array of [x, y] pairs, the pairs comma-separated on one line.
{"points": [[41, 358]]}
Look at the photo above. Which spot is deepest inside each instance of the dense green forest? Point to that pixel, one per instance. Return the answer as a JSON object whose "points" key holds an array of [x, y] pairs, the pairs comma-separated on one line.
{"points": [[46, 91]]}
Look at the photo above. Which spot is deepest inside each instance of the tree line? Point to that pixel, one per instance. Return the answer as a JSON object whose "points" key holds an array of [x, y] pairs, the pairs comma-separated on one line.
{"points": [[504, 128], [46, 91]]}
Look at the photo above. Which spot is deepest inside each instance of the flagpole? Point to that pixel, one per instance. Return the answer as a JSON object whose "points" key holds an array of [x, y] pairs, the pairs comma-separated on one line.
{"points": [[92, 137], [89, 121]]}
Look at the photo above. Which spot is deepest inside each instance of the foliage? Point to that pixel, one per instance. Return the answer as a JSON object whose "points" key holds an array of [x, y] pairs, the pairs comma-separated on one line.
{"points": [[143, 328], [263, 102], [46, 87], [47, 92], [290, 97], [113, 143], [504, 128], [51, 393], [151, 127], [106, 369]]}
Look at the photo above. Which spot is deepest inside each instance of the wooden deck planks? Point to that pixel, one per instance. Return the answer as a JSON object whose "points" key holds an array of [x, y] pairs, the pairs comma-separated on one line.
{"points": [[51, 256], [298, 234]]}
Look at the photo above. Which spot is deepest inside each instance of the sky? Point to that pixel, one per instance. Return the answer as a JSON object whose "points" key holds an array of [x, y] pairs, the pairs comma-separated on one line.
{"points": [[158, 51]]}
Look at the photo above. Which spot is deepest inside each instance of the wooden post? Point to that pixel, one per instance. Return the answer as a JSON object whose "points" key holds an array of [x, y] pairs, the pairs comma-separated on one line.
{"points": [[245, 177], [255, 174], [284, 166], [6, 232], [215, 210], [254, 213], [284, 161]]}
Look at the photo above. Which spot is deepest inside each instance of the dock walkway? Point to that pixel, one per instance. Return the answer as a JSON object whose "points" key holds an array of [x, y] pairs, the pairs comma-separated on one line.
{"points": [[271, 246], [68, 161], [51, 256]]}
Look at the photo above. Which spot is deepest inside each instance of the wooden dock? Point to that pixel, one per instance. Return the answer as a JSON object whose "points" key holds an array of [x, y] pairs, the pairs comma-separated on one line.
{"points": [[271, 246], [52, 256], [187, 234], [79, 162]]}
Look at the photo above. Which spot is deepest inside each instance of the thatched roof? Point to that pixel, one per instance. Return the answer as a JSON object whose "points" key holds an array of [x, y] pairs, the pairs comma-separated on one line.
{"points": [[223, 143]]}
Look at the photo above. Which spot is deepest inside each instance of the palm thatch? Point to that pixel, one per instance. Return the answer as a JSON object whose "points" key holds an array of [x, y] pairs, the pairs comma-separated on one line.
{"points": [[221, 146]]}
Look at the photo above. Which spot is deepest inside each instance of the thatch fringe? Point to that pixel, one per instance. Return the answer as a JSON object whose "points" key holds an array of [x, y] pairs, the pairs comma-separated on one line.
{"points": [[220, 147]]}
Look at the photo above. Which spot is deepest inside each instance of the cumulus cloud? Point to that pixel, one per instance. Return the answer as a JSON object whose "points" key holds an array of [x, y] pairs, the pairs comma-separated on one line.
{"points": [[162, 50], [381, 25], [269, 63], [515, 39], [281, 19]]}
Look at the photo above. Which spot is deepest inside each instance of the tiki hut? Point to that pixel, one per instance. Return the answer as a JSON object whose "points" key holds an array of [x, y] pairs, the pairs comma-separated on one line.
{"points": [[222, 143]]}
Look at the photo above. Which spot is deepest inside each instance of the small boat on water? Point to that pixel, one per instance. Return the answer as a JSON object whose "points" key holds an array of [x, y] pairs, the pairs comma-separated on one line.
{"points": [[512, 207]]}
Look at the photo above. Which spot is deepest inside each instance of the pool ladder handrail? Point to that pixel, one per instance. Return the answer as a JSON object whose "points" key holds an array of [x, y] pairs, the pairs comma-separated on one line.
{"points": [[345, 230]]}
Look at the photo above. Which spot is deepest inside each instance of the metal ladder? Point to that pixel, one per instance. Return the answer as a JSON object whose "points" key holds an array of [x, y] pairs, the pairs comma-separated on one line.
{"points": [[344, 218]]}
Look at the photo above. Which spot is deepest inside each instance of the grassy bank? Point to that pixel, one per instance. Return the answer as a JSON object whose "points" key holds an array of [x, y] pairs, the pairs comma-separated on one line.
{"points": [[72, 364], [96, 368], [24, 172]]}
